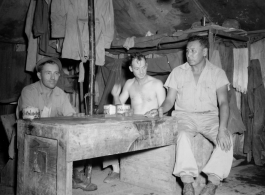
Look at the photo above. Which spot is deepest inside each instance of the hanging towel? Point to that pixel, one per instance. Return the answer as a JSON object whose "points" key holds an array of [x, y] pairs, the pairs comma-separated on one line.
{"points": [[240, 76]]}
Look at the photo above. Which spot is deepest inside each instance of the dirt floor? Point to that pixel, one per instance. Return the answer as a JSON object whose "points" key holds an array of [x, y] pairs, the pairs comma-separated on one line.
{"points": [[246, 178]]}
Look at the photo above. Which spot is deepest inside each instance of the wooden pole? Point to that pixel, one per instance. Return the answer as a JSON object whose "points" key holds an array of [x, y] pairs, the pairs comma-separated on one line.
{"points": [[92, 55], [211, 43]]}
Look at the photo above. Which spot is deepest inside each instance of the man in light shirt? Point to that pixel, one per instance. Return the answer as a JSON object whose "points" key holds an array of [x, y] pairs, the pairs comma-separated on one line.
{"points": [[199, 91], [52, 102]]}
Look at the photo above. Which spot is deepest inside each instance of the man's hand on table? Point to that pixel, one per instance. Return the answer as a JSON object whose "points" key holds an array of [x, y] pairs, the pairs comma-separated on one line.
{"points": [[223, 139], [152, 113]]}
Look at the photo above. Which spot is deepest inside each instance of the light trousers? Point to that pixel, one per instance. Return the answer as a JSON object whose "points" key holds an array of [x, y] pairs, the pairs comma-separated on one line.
{"points": [[112, 161], [207, 124]]}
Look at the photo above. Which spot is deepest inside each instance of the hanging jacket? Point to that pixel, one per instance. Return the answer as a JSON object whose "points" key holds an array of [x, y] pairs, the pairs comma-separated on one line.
{"points": [[69, 19], [253, 113]]}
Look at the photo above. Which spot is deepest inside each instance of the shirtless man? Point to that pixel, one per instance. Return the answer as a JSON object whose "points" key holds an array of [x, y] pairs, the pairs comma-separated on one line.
{"points": [[146, 93]]}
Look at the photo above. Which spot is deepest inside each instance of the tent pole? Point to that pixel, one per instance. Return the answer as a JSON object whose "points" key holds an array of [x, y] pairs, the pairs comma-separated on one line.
{"points": [[92, 54]]}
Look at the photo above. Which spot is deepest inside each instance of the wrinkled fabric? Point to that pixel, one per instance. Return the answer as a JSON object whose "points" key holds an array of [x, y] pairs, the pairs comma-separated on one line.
{"points": [[32, 49], [189, 125], [70, 20], [175, 59], [41, 29], [31, 96], [235, 123], [129, 43], [196, 98], [240, 78], [226, 55], [215, 58], [112, 161], [253, 113], [257, 50]]}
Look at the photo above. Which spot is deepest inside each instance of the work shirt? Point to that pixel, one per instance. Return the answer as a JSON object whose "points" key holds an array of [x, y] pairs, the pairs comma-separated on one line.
{"points": [[196, 98], [33, 96]]}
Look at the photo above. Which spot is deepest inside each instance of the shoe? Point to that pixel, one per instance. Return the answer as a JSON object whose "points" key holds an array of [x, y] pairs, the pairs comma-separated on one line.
{"points": [[84, 186], [188, 189], [209, 189], [81, 181], [112, 177]]}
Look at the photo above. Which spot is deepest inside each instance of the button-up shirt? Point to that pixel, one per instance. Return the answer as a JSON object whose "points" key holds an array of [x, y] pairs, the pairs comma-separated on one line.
{"points": [[33, 96], [200, 97]]}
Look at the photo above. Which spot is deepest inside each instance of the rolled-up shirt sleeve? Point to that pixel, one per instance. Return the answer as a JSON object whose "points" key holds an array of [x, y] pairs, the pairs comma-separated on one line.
{"points": [[222, 79], [172, 81]]}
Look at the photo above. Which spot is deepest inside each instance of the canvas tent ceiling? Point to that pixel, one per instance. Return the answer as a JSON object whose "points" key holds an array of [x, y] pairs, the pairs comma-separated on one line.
{"points": [[137, 17]]}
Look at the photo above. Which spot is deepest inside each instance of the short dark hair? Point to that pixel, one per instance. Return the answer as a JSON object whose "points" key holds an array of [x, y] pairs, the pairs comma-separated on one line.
{"points": [[40, 66], [203, 40], [137, 56]]}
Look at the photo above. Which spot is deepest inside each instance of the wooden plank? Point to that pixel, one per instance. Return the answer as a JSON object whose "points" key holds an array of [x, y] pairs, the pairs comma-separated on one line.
{"points": [[230, 35], [211, 44], [62, 174], [150, 169], [120, 137], [69, 175], [40, 165], [21, 158]]}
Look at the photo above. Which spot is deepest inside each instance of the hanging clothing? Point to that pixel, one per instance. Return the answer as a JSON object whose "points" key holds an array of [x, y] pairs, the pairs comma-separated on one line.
{"points": [[240, 77], [32, 49], [226, 55], [175, 59], [69, 19], [41, 29], [235, 123], [257, 50], [215, 58], [253, 106]]}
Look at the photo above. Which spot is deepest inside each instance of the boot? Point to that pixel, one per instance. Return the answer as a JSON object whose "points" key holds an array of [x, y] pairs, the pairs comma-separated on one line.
{"points": [[82, 182], [188, 189], [209, 189]]}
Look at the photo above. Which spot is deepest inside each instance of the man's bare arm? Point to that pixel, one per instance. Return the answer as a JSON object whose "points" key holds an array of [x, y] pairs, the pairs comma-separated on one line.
{"points": [[223, 137], [167, 104], [120, 98], [170, 100], [160, 93]]}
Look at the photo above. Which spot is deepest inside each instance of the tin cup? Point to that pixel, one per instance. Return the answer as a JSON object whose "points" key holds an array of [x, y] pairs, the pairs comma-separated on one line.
{"points": [[122, 109], [109, 109], [30, 113]]}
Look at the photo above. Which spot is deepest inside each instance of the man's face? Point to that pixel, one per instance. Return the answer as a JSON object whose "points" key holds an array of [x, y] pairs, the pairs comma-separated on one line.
{"points": [[195, 53], [139, 68], [49, 75]]}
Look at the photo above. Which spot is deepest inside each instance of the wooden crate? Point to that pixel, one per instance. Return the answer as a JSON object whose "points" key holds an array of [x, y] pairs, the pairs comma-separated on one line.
{"points": [[151, 169]]}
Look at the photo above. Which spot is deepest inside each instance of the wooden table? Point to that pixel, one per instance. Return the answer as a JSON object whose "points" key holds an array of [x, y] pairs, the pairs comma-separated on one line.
{"points": [[47, 147]]}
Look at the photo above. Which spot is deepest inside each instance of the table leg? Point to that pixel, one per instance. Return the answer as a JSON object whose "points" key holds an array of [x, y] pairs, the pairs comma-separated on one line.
{"points": [[69, 175]]}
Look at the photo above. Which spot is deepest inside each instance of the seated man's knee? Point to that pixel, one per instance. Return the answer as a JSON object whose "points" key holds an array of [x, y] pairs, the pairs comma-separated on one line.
{"points": [[183, 134]]}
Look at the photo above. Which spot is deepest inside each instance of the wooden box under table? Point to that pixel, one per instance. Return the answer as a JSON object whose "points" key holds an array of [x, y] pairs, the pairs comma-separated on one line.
{"points": [[47, 147]]}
